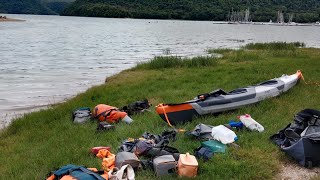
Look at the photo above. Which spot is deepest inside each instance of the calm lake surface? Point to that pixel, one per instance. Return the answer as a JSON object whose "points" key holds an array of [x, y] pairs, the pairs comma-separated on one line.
{"points": [[47, 59]]}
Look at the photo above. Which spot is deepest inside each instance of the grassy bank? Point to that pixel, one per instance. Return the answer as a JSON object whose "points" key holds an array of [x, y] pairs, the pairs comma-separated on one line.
{"points": [[41, 141]]}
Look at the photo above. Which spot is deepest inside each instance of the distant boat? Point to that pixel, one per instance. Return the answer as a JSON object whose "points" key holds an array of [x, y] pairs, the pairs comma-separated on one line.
{"points": [[280, 19], [239, 17]]}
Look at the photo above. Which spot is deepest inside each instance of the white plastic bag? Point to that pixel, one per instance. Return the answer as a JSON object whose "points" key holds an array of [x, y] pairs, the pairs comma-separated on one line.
{"points": [[223, 134], [251, 123], [125, 173]]}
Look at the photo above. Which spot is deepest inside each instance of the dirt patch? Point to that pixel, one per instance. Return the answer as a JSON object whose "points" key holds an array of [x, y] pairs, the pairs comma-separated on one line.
{"points": [[293, 171]]}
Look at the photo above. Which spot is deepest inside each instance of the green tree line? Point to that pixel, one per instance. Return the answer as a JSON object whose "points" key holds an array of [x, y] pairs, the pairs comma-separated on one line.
{"points": [[33, 6], [217, 10]]}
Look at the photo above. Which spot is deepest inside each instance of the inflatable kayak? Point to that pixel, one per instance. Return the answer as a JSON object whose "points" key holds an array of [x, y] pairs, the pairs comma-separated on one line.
{"points": [[219, 100]]}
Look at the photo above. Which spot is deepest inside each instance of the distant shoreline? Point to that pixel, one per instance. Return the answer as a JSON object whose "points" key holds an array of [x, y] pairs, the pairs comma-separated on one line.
{"points": [[6, 19]]}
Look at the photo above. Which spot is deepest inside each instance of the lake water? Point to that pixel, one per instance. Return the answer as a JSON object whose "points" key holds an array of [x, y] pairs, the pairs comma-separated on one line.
{"points": [[47, 59]]}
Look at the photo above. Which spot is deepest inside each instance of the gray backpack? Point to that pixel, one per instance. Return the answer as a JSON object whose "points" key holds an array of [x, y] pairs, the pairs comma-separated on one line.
{"points": [[123, 158], [81, 115], [164, 165]]}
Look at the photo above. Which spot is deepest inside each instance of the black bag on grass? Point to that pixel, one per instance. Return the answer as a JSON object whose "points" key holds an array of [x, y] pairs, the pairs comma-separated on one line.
{"points": [[301, 138], [104, 126], [136, 107]]}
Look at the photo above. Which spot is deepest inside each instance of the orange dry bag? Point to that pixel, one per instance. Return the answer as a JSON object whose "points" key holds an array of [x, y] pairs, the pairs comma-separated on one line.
{"points": [[108, 113]]}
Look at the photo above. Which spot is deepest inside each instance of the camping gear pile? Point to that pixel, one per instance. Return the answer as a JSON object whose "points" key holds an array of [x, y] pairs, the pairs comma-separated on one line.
{"points": [[300, 139], [215, 138], [108, 115], [164, 159], [155, 153]]}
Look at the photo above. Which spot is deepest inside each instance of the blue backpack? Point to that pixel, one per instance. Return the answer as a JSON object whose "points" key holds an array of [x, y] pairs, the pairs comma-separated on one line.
{"points": [[78, 172]]}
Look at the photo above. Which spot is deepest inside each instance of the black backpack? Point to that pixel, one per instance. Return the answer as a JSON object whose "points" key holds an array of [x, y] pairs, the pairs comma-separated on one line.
{"points": [[301, 138], [137, 107]]}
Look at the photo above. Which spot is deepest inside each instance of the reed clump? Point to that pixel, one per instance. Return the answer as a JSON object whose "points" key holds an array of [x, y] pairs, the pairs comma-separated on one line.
{"points": [[274, 46], [162, 62]]}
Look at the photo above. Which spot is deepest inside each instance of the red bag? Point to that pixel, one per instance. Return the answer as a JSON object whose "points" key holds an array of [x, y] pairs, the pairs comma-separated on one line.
{"points": [[95, 150]]}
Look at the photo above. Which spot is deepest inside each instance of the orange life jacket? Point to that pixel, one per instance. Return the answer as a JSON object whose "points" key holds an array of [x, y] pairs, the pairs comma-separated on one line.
{"points": [[108, 113], [108, 159]]}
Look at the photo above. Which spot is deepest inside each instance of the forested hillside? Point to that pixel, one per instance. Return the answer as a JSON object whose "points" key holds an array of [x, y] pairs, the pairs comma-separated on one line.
{"points": [[261, 10], [33, 6]]}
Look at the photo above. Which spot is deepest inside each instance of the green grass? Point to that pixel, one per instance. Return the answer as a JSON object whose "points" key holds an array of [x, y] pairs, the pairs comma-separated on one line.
{"points": [[163, 62], [276, 46], [39, 142]]}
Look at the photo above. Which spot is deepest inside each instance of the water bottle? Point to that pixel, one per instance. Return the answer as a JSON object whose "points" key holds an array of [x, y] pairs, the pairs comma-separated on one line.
{"points": [[127, 119], [223, 134], [251, 123]]}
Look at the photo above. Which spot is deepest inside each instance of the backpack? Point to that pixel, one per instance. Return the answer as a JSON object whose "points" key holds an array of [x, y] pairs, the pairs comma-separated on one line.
{"points": [[203, 152], [81, 115], [136, 107], [301, 138], [123, 158], [71, 171], [164, 165], [142, 147]]}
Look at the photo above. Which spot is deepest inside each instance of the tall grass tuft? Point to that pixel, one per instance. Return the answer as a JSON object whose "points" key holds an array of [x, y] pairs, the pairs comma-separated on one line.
{"points": [[220, 51], [276, 46], [262, 51], [162, 62]]}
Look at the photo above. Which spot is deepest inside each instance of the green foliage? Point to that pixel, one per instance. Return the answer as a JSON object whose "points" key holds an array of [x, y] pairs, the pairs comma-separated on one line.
{"points": [[57, 7], [261, 11], [196, 10], [220, 51], [33, 6], [262, 51], [177, 62], [39, 142], [274, 46], [23, 7]]}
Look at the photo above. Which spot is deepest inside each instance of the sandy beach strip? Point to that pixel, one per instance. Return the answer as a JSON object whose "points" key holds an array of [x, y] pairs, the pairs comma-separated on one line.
{"points": [[6, 19]]}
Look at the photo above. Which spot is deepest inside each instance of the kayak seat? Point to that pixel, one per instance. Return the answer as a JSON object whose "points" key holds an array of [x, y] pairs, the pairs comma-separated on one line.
{"points": [[270, 82], [214, 93], [217, 93], [238, 91]]}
